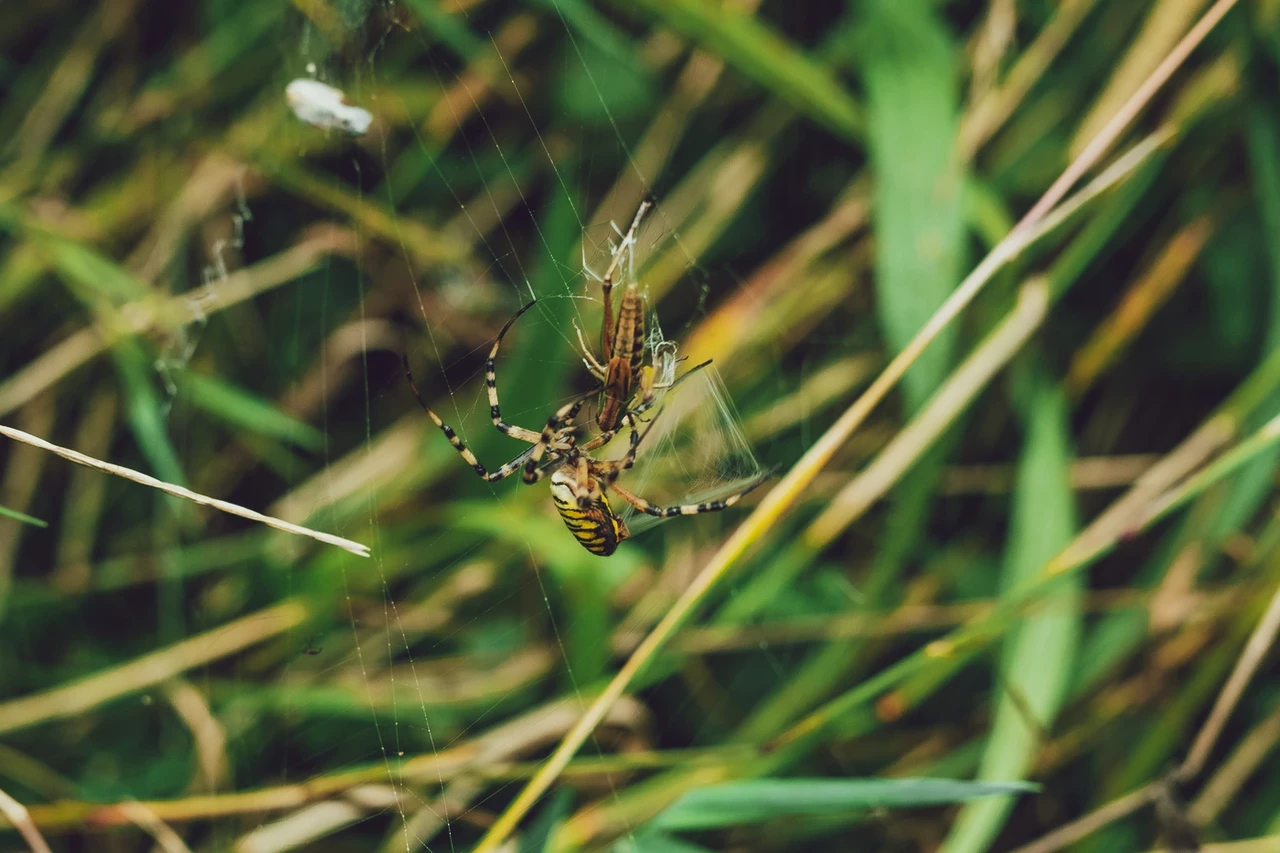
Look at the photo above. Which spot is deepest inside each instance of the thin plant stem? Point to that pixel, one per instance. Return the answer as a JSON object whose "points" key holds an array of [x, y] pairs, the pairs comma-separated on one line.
{"points": [[179, 492], [912, 441], [1255, 650], [969, 638], [17, 815], [1072, 832], [77, 697]]}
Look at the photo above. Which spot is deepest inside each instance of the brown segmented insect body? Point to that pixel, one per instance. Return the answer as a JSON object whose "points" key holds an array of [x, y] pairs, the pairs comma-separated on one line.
{"points": [[623, 373]]}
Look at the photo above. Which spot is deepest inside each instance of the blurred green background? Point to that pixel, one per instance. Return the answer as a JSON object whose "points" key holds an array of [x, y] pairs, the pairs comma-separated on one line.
{"points": [[197, 285]]}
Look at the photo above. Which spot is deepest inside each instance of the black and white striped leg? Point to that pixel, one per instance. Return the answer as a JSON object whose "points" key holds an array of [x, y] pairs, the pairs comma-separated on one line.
{"points": [[466, 454], [683, 509], [648, 398], [491, 383], [562, 418], [610, 470]]}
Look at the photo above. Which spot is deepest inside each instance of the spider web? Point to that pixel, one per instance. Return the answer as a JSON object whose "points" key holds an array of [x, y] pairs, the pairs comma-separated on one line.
{"points": [[529, 240]]}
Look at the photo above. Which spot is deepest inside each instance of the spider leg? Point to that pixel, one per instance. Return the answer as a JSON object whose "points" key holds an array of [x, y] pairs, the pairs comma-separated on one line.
{"points": [[550, 463], [646, 394], [613, 468], [491, 383], [599, 441], [563, 417], [610, 470], [511, 467], [467, 456], [598, 370], [683, 509]]}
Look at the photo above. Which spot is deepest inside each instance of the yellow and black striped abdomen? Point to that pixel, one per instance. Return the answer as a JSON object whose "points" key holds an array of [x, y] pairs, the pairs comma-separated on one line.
{"points": [[594, 526]]}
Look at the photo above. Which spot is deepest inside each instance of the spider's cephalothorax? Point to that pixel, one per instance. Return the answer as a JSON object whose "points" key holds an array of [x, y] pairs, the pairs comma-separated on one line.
{"points": [[579, 482]]}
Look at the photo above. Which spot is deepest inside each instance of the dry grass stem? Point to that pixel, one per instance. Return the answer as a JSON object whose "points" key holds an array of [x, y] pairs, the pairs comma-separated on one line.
{"points": [[1255, 650], [81, 347], [918, 435], [1260, 642], [489, 755], [77, 697], [18, 817], [1110, 132], [1070, 833], [179, 492], [165, 838], [1248, 756]]}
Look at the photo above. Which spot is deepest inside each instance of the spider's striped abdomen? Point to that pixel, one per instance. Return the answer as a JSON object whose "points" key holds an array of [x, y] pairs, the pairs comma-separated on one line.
{"points": [[594, 526]]}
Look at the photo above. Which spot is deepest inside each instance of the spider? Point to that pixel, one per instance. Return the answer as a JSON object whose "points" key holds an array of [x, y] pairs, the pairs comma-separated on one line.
{"points": [[579, 481]]}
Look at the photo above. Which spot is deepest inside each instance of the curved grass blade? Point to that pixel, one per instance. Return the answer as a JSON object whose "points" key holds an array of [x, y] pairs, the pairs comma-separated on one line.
{"points": [[1040, 652], [755, 800], [5, 512]]}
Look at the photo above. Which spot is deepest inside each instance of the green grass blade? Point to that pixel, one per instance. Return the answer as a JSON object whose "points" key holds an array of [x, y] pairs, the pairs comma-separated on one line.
{"points": [[908, 66], [760, 53], [754, 800], [5, 512], [238, 407], [582, 18], [656, 842], [78, 264], [448, 28], [1039, 653], [144, 412]]}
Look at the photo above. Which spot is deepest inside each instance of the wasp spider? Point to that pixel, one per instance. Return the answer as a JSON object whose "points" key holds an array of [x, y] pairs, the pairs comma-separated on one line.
{"points": [[579, 481]]}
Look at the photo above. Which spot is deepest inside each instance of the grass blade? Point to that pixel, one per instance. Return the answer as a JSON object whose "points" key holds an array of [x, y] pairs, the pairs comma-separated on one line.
{"points": [[755, 800], [1039, 653], [908, 66], [238, 407], [760, 53], [5, 512]]}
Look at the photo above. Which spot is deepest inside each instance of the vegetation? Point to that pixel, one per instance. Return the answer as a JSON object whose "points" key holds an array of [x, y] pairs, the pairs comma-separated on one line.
{"points": [[997, 582]]}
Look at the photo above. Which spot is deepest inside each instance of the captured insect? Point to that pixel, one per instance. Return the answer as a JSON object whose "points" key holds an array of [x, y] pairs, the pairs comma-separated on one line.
{"points": [[626, 387], [622, 339]]}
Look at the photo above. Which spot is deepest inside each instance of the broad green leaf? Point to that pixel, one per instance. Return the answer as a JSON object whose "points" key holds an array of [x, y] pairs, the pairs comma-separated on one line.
{"points": [[908, 66], [1039, 654], [755, 800], [1252, 486], [760, 53], [240, 408], [79, 265]]}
